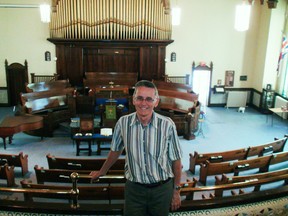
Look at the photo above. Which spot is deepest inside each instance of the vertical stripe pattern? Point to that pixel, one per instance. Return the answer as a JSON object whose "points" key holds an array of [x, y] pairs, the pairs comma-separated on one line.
{"points": [[150, 150]]}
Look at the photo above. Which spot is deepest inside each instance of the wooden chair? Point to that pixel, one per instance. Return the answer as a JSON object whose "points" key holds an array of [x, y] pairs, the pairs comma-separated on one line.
{"points": [[85, 134]]}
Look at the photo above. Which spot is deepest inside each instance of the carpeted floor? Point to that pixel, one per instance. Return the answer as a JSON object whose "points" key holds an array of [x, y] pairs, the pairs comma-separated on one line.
{"points": [[223, 129]]}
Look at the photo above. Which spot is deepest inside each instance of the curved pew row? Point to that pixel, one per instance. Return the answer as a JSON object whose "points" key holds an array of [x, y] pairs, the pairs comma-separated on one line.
{"points": [[188, 192], [224, 179], [238, 154], [63, 176], [262, 163]]}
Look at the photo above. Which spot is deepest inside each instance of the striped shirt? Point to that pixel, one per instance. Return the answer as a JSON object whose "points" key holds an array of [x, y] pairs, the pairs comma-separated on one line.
{"points": [[150, 149]]}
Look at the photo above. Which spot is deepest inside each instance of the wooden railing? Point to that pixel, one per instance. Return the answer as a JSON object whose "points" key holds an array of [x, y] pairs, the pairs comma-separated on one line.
{"points": [[178, 79], [43, 78]]}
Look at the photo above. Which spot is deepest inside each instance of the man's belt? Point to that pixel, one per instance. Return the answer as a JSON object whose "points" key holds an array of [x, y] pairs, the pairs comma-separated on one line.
{"points": [[153, 185]]}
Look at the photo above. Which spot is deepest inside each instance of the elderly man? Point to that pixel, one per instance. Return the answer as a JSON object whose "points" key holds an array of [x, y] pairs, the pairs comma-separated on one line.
{"points": [[153, 156]]}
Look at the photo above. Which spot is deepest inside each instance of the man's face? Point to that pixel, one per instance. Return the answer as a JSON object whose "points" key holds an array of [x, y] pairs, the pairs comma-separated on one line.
{"points": [[144, 101]]}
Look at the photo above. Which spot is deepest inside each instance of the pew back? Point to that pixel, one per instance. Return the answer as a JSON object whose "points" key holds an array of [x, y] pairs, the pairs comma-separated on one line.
{"points": [[93, 79], [197, 159], [177, 101], [35, 102], [93, 192], [238, 154], [235, 179], [81, 163], [63, 176], [44, 86], [208, 168], [172, 86]]}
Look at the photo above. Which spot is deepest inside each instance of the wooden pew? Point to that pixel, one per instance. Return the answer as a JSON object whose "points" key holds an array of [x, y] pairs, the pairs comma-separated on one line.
{"points": [[93, 79], [197, 159], [81, 163], [7, 173], [15, 160], [224, 179], [264, 163], [238, 154], [162, 85], [63, 176], [278, 158], [106, 193], [218, 190], [277, 145], [53, 105], [183, 108], [182, 102], [44, 86], [191, 202], [208, 168]]}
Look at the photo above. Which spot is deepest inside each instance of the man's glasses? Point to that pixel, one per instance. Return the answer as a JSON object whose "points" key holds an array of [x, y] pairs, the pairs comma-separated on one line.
{"points": [[147, 99]]}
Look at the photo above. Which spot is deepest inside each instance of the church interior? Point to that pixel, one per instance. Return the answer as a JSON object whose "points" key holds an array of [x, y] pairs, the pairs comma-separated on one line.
{"points": [[69, 69]]}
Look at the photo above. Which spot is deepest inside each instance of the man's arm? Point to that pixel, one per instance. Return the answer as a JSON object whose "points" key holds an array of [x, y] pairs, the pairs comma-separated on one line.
{"points": [[177, 170], [111, 159]]}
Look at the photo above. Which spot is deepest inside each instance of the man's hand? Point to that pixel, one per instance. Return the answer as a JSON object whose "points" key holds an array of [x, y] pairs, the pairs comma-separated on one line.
{"points": [[95, 175], [176, 200]]}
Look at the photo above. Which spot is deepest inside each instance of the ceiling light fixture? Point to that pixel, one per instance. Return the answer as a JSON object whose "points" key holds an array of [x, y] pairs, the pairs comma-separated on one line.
{"points": [[45, 13], [176, 15], [242, 17]]}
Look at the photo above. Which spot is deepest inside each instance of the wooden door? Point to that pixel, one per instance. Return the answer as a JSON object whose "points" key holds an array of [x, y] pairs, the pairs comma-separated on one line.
{"points": [[16, 77]]}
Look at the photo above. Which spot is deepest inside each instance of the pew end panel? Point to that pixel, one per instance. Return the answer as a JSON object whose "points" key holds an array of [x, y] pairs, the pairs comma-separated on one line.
{"points": [[7, 173], [15, 160]]}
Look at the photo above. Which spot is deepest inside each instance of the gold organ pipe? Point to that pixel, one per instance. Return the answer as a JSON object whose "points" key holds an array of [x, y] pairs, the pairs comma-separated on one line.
{"points": [[111, 19]]}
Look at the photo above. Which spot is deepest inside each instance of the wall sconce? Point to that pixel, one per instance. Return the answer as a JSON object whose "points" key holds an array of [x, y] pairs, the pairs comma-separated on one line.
{"points": [[173, 57], [47, 56], [45, 13], [242, 17]]}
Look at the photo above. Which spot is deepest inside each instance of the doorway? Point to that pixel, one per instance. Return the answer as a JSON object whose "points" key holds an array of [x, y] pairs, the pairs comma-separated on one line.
{"points": [[201, 83]]}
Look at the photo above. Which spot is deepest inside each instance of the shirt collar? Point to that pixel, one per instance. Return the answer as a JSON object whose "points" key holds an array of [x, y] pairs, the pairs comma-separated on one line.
{"points": [[153, 121]]}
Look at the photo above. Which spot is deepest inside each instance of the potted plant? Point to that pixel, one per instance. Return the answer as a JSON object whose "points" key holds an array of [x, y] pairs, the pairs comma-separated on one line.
{"points": [[272, 4]]}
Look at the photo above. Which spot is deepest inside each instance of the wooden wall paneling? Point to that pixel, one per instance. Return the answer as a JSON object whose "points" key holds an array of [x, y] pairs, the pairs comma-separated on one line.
{"points": [[161, 63], [75, 57], [60, 63], [148, 62], [74, 64]]}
